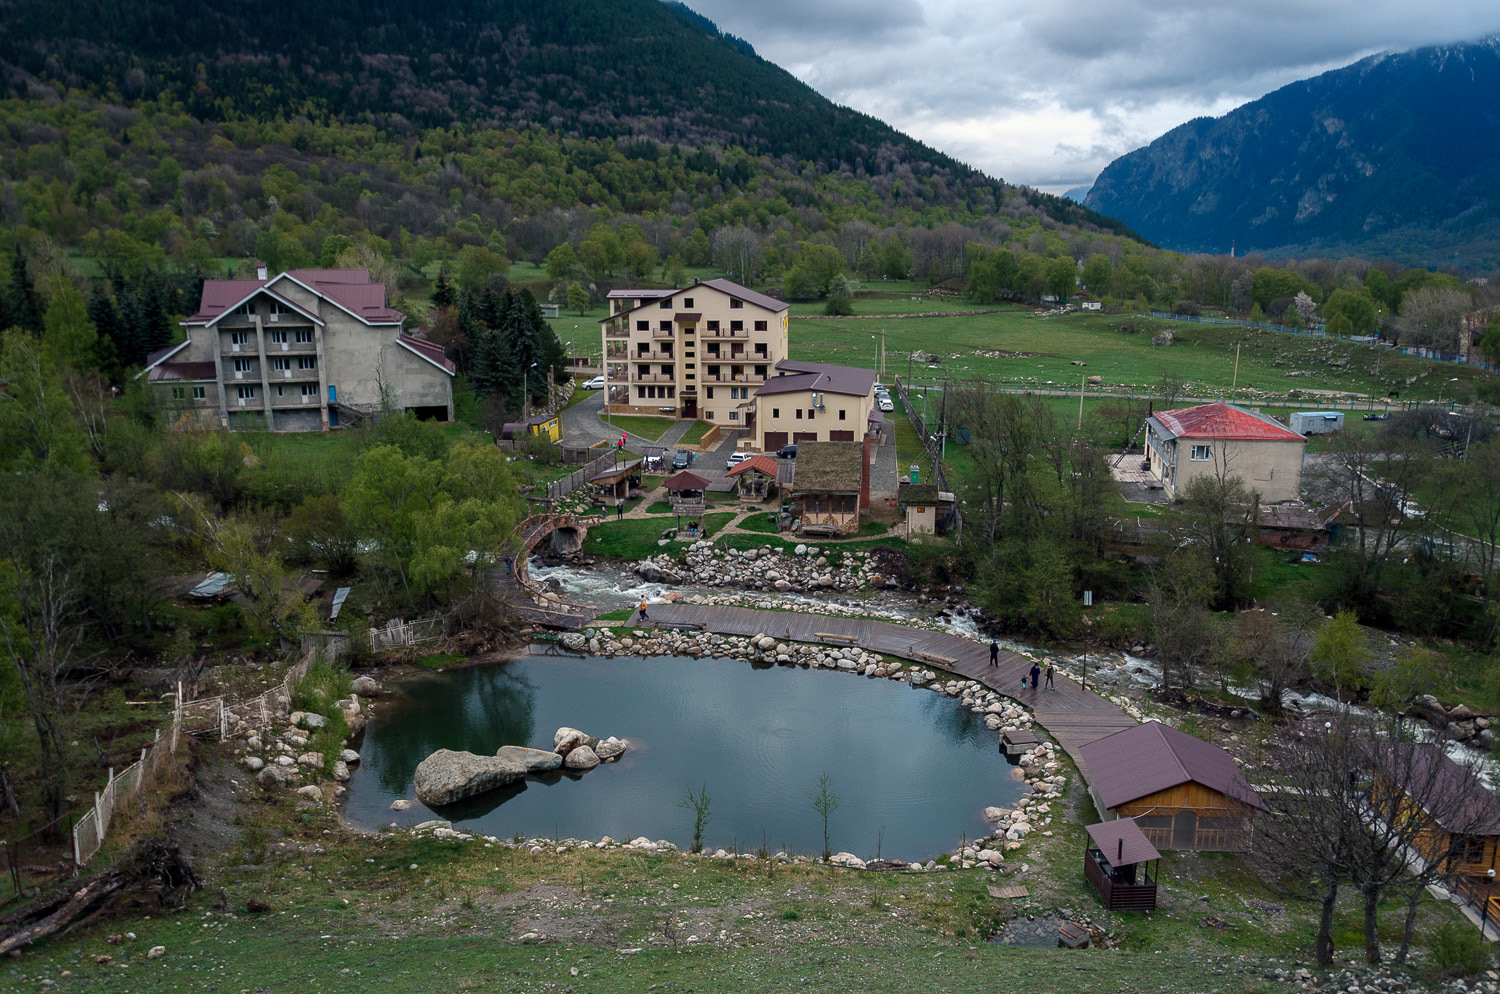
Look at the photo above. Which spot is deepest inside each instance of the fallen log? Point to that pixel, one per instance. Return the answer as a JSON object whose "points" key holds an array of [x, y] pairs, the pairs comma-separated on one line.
{"points": [[95, 891]]}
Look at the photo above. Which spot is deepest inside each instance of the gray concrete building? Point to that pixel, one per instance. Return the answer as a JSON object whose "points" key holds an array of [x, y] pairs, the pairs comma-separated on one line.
{"points": [[304, 350]]}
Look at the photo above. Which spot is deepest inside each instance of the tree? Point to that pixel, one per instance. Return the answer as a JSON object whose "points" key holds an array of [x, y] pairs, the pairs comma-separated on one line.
{"points": [[1431, 315], [69, 337], [1490, 343], [277, 608], [1355, 306], [1306, 308], [825, 802], [321, 534], [1274, 647], [477, 265], [443, 292], [1062, 276], [562, 263], [578, 298], [1341, 653], [38, 427], [698, 803], [1097, 273], [1217, 515]]}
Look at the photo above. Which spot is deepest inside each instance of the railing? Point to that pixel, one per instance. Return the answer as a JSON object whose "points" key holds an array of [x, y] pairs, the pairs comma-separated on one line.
{"points": [[1117, 896], [933, 454], [655, 355], [734, 378], [408, 633], [558, 489], [652, 378], [722, 333], [664, 333], [39, 849]]}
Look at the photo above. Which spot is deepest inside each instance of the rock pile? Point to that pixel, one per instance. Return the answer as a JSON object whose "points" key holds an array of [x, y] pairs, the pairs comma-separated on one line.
{"points": [[805, 568], [581, 751], [278, 754], [1033, 812]]}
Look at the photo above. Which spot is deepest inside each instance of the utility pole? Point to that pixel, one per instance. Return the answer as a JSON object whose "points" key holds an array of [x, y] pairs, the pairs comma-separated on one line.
{"points": [[1236, 382], [1083, 380]]}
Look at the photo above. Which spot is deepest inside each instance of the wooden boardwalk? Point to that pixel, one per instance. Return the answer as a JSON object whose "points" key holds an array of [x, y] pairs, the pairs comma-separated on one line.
{"points": [[1073, 716]]}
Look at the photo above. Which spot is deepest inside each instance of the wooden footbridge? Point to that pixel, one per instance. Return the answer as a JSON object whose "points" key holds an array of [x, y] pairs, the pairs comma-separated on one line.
{"points": [[1074, 716]]}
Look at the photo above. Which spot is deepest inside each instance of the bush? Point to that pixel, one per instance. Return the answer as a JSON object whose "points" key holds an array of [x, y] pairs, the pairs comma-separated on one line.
{"points": [[839, 305], [1459, 950]]}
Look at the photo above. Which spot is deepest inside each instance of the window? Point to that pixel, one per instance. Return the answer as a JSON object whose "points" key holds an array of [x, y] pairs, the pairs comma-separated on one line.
{"points": [[309, 389], [279, 363], [841, 415], [666, 326], [239, 338], [735, 305], [179, 393], [281, 391], [799, 414], [200, 393], [687, 302], [1199, 453], [775, 412], [643, 326], [640, 393], [760, 326], [278, 337], [708, 392], [243, 365], [1469, 850], [303, 336], [277, 307], [713, 326], [736, 326], [709, 415], [307, 362], [734, 415], [245, 393], [666, 305]]}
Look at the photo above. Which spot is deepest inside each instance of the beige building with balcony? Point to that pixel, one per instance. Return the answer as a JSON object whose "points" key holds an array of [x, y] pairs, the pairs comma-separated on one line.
{"points": [[698, 352], [302, 351], [814, 402], [1213, 440]]}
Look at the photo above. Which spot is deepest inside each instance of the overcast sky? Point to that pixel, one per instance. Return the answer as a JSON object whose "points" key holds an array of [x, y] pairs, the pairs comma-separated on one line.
{"points": [[1047, 93]]}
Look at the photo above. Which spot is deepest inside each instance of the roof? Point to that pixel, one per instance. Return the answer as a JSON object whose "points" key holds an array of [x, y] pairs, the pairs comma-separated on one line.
{"points": [[433, 353], [687, 481], [348, 289], [638, 294], [854, 381], [829, 467], [1461, 803], [153, 358], [169, 371], [619, 472], [723, 286], [1122, 842], [1222, 421], [1138, 761], [757, 464], [920, 493], [746, 294], [788, 384], [1290, 517]]}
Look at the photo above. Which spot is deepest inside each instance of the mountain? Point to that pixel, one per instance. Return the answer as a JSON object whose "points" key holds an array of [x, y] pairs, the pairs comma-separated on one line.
{"points": [[1395, 156], [1077, 194], [587, 69]]}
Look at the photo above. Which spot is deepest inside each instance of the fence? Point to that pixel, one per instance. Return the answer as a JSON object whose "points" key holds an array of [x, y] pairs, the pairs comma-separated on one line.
{"points": [[211, 714], [405, 633], [1419, 352], [40, 847], [558, 489], [933, 455]]}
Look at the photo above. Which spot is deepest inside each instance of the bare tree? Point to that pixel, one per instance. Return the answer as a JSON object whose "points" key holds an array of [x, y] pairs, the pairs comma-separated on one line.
{"points": [[1430, 315]]}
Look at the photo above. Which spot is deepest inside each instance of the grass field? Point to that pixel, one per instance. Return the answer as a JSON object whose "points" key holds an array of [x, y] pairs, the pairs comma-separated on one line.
{"points": [[642, 425], [695, 434]]}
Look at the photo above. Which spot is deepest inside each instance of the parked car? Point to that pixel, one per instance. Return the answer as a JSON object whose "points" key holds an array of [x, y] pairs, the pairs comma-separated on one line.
{"points": [[597, 383], [680, 459], [787, 452], [735, 458], [886, 405]]}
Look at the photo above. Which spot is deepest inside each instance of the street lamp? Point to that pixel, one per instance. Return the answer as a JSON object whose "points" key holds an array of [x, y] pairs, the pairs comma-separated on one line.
{"points": [[526, 390]]}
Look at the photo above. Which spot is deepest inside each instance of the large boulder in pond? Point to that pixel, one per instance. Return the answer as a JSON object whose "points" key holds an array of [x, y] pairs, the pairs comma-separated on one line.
{"points": [[566, 739], [535, 760], [610, 748], [447, 776], [582, 758]]}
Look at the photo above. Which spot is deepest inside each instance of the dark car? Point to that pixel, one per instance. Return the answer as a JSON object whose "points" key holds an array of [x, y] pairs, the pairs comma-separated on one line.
{"points": [[680, 460], [787, 452]]}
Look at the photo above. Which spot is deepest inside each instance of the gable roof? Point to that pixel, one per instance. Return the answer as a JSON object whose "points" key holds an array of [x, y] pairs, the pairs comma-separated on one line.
{"points": [[161, 355], [1122, 842], [746, 294], [1224, 421], [829, 467], [1151, 757], [759, 464], [1462, 804], [432, 352], [723, 286], [168, 371], [350, 290], [854, 381]]}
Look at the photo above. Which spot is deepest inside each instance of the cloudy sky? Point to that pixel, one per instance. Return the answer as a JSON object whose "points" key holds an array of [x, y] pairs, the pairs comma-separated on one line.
{"points": [[1047, 93]]}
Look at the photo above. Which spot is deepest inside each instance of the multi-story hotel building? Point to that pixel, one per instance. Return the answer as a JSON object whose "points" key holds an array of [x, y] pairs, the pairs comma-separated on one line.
{"points": [[289, 353], [699, 352]]}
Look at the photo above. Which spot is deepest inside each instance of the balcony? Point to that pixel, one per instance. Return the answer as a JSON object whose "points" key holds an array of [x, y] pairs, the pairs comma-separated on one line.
{"points": [[295, 400], [734, 378], [722, 333], [652, 378], [667, 334], [616, 331], [653, 355]]}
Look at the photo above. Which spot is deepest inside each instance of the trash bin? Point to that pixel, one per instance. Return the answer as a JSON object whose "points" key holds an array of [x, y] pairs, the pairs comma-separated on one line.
{"points": [[914, 473]]}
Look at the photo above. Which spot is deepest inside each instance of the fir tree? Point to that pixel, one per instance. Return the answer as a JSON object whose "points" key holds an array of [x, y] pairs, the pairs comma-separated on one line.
{"points": [[23, 308], [442, 290]]}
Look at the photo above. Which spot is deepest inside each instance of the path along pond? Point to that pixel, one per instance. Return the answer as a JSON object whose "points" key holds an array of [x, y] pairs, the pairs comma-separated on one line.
{"points": [[912, 769]]}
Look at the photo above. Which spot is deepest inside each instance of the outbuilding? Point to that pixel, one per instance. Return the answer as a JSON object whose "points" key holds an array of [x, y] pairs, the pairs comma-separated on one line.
{"points": [[1315, 422]]}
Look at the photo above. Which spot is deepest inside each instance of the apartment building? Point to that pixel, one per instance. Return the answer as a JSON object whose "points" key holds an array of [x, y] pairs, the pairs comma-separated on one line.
{"points": [[300, 352], [813, 402], [698, 352], [1222, 440]]}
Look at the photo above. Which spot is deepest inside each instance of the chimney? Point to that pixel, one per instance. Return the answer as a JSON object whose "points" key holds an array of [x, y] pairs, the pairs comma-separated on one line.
{"points": [[260, 270]]}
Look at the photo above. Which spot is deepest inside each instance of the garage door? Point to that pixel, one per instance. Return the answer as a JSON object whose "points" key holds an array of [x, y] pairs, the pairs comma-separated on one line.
{"points": [[805, 436], [775, 440], [841, 436]]}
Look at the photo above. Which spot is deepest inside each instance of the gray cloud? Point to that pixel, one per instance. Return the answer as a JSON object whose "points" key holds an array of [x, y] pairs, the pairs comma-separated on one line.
{"points": [[1047, 95]]}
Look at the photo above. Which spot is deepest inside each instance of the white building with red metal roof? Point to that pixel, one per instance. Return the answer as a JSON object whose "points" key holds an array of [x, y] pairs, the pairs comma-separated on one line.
{"points": [[1221, 441], [304, 350]]}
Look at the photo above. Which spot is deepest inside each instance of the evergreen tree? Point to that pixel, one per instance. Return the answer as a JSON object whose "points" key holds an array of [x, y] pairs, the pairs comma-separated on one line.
{"points": [[442, 290], [23, 308]]}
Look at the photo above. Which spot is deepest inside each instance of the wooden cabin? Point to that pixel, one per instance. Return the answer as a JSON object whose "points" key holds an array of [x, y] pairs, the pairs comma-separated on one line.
{"points": [[1442, 808], [1121, 864], [1182, 792], [754, 478], [830, 482]]}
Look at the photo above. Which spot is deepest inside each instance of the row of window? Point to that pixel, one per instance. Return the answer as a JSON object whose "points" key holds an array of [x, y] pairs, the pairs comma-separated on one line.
{"points": [[278, 336], [181, 393], [797, 413], [733, 415], [279, 363], [248, 392], [735, 393], [711, 325], [655, 393], [687, 304]]}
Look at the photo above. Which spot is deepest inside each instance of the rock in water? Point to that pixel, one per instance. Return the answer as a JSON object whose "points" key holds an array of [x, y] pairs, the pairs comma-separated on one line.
{"points": [[582, 758], [566, 739], [535, 760], [610, 748], [367, 686], [447, 776]]}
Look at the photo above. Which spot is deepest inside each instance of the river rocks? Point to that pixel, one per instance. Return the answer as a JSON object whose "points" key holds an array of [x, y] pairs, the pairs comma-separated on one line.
{"points": [[610, 748], [341, 771], [995, 814], [847, 859], [312, 759], [581, 758], [349, 756], [367, 686], [254, 764], [447, 776], [272, 776], [573, 641], [534, 760], [308, 720], [310, 791], [765, 568], [566, 739], [400, 804]]}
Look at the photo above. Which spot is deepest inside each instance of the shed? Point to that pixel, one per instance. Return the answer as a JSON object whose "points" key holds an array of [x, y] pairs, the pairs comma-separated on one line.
{"points": [[929, 510], [828, 480], [1121, 863], [754, 477], [546, 425], [1291, 526], [1315, 422], [1184, 793]]}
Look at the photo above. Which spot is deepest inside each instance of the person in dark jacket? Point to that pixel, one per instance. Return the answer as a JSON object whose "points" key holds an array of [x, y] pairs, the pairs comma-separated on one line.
{"points": [[1036, 676], [1051, 669], [994, 653]]}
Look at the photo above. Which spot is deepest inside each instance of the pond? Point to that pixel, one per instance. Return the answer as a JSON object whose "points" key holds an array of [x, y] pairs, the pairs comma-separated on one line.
{"points": [[912, 769]]}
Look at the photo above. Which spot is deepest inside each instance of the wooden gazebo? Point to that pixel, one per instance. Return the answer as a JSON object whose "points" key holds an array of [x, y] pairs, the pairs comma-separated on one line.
{"points": [[688, 494], [1121, 863], [615, 483], [754, 477]]}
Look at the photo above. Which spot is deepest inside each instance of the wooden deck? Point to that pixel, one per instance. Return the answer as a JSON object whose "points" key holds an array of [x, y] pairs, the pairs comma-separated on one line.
{"points": [[1074, 716]]}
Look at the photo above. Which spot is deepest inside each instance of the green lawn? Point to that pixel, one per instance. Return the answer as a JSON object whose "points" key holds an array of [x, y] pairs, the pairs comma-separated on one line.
{"points": [[642, 424], [696, 432]]}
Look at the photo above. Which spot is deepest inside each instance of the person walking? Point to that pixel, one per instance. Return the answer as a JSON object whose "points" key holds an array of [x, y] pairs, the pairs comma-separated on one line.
{"points": [[643, 610], [619, 508], [994, 653], [1036, 676], [1051, 669]]}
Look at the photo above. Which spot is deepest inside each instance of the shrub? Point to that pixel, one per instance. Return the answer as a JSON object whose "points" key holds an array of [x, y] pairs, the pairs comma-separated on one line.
{"points": [[1459, 950]]}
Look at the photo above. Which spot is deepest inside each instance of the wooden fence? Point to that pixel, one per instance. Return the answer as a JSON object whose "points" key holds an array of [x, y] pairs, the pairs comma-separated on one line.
{"points": [[558, 489], [405, 633]]}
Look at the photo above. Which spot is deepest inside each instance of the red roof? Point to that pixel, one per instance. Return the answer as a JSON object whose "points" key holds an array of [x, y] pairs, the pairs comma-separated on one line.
{"points": [[349, 289], [432, 352], [1138, 761], [761, 464], [1224, 421]]}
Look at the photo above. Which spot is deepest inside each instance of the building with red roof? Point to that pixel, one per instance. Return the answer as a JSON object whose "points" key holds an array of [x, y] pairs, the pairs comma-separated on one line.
{"points": [[304, 350], [1222, 440]]}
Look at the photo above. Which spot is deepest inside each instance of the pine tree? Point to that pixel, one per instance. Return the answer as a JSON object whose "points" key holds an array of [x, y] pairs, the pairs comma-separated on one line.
{"points": [[442, 290], [23, 307]]}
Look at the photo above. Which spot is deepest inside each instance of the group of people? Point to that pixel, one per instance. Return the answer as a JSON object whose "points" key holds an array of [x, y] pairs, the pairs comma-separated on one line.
{"points": [[1034, 676]]}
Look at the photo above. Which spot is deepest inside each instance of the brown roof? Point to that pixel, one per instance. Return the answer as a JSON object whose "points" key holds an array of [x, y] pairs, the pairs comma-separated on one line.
{"points": [[854, 381], [1291, 517], [433, 353], [618, 472], [1459, 802], [828, 467], [919, 493], [759, 464], [687, 317], [1122, 842], [687, 481], [183, 371], [746, 294], [1151, 757], [349, 289]]}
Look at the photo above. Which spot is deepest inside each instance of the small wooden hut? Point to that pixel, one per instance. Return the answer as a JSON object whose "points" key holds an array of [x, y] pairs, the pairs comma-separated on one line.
{"points": [[828, 481], [1442, 808], [1121, 864], [753, 478], [616, 482], [1184, 793], [688, 494]]}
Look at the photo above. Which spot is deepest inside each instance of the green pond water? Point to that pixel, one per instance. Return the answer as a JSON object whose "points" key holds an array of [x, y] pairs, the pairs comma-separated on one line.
{"points": [[910, 767]]}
